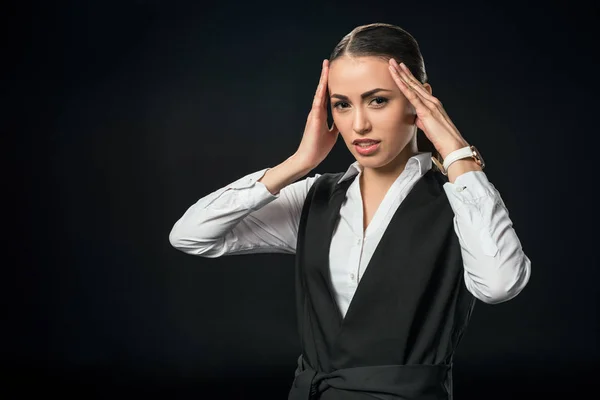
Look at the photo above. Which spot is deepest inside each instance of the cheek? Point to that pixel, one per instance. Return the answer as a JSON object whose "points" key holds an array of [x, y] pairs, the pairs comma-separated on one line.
{"points": [[392, 121]]}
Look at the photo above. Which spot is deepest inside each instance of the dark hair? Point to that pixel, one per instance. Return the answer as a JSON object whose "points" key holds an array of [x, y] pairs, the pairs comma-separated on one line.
{"points": [[387, 41]]}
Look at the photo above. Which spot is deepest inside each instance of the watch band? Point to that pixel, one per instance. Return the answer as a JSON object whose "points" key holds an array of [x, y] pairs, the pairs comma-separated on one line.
{"points": [[465, 152], [456, 155]]}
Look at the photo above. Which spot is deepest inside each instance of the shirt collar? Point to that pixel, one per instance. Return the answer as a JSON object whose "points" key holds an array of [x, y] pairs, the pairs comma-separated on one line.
{"points": [[420, 161]]}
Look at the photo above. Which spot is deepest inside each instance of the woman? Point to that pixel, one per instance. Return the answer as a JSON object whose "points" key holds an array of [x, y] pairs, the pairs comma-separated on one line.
{"points": [[390, 254]]}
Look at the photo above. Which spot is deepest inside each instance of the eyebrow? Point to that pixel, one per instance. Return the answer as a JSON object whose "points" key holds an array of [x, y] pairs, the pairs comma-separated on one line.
{"points": [[364, 95]]}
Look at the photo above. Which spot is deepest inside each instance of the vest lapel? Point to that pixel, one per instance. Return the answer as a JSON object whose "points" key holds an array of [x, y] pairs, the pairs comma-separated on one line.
{"points": [[335, 203]]}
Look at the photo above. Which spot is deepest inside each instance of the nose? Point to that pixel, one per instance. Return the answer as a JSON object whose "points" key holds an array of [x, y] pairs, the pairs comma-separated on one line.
{"points": [[361, 124]]}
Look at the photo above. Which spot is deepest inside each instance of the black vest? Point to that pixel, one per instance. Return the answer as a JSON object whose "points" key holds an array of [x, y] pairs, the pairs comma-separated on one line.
{"points": [[409, 311]]}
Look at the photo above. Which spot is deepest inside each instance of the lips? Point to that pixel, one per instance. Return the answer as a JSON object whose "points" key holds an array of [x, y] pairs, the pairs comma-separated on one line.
{"points": [[366, 141]]}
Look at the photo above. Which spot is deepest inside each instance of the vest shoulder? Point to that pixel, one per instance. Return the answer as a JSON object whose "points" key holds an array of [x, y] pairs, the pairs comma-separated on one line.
{"points": [[330, 177], [327, 182]]}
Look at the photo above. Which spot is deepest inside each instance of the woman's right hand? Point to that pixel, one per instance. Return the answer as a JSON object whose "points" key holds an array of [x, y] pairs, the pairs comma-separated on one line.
{"points": [[318, 139]]}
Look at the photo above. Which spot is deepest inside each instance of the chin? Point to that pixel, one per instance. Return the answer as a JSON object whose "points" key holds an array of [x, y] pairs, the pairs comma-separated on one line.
{"points": [[375, 161], [378, 160]]}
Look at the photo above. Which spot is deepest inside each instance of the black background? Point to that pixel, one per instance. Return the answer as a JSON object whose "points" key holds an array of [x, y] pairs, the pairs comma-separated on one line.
{"points": [[118, 115]]}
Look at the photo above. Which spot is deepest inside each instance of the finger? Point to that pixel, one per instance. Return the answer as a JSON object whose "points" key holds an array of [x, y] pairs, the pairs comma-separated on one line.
{"points": [[318, 100], [408, 91], [407, 75], [324, 83], [414, 83], [432, 103], [334, 129]]}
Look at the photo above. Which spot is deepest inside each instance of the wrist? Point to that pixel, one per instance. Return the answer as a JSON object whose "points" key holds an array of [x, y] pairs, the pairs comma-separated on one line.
{"points": [[450, 147], [298, 164]]}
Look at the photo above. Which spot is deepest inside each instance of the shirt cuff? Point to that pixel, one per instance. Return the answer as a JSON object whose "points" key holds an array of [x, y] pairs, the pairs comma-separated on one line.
{"points": [[469, 188]]}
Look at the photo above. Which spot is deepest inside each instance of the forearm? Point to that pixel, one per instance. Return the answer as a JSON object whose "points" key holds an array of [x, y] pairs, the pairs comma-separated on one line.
{"points": [[496, 267], [287, 172], [206, 222]]}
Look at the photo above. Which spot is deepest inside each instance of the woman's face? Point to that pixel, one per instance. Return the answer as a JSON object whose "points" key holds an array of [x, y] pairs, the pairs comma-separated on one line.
{"points": [[366, 103]]}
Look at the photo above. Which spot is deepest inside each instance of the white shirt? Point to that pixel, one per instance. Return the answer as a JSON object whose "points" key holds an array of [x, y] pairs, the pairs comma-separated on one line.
{"points": [[244, 218]]}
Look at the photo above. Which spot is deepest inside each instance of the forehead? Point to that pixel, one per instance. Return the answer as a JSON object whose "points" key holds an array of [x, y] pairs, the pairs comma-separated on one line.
{"points": [[355, 75]]}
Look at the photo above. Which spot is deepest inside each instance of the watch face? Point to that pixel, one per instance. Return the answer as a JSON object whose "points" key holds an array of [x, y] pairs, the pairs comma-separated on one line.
{"points": [[477, 156]]}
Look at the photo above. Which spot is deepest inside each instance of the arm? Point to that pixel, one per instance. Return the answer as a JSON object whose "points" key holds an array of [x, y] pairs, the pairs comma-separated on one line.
{"points": [[258, 213], [496, 268]]}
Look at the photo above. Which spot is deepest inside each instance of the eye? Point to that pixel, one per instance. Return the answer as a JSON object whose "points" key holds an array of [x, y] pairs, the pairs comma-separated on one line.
{"points": [[339, 103], [379, 101]]}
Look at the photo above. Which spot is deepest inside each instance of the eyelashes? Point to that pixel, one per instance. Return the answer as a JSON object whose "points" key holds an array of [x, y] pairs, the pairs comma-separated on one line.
{"points": [[377, 101]]}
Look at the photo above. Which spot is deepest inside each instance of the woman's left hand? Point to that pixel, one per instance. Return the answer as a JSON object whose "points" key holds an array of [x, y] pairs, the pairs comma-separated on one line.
{"points": [[431, 118]]}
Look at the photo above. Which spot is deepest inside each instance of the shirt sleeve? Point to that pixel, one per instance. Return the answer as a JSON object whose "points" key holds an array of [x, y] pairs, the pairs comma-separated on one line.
{"points": [[496, 267], [242, 218]]}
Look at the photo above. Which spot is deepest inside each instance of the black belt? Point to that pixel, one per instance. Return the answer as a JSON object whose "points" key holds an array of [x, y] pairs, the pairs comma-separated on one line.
{"points": [[398, 382]]}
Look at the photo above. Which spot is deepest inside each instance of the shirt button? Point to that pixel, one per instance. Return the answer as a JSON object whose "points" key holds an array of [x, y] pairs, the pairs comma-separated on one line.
{"points": [[352, 276]]}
